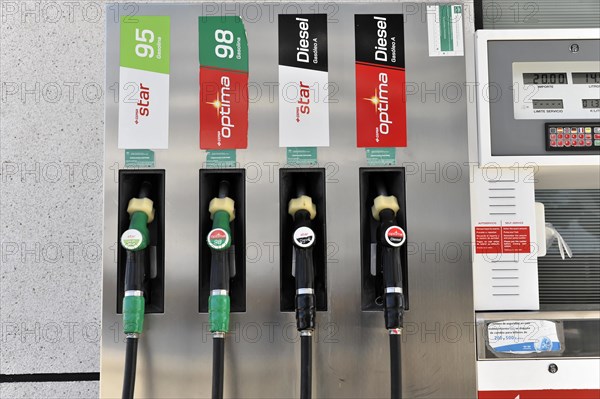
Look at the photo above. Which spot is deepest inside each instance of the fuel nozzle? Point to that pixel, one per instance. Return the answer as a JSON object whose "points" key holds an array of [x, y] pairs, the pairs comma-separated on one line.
{"points": [[135, 240], [219, 239], [390, 237], [303, 211]]}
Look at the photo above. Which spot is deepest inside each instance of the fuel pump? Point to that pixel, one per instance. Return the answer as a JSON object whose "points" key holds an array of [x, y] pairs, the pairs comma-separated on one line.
{"points": [[389, 238], [303, 211], [222, 269], [135, 240]]}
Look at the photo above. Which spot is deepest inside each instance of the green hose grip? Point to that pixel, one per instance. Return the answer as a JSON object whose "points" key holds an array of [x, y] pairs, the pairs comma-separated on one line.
{"points": [[219, 238], [139, 222], [137, 237], [133, 314], [221, 221], [218, 313]]}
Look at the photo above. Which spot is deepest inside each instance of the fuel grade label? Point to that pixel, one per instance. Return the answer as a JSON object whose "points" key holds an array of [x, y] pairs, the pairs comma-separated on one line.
{"points": [[380, 80], [223, 56], [303, 81], [144, 82]]}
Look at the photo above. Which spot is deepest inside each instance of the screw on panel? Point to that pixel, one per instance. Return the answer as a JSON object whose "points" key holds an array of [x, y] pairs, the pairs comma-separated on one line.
{"points": [[552, 368], [574, 48]]}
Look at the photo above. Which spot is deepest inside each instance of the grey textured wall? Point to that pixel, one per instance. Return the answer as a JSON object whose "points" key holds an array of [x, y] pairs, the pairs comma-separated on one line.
{"points": [[51, 152]]}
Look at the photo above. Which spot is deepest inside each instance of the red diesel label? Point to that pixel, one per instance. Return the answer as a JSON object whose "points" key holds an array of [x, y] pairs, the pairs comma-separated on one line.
{"points": [[223, 109], [380, 81], [542, 394]]}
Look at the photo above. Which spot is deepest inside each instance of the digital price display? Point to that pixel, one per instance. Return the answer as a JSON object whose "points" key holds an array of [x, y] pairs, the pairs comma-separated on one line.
{"points": [[585, 78], [591, 103], [545, 78]]}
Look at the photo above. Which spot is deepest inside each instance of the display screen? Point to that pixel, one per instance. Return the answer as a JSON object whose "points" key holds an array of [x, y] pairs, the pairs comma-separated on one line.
{"points": [[545, 78], [585, 77], [591, 102], [547, 104]]}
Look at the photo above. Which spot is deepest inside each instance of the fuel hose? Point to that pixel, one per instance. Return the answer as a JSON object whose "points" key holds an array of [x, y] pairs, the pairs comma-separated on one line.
{"points": [[303, 212], [390, 237], [135, 240], [219, 240]]}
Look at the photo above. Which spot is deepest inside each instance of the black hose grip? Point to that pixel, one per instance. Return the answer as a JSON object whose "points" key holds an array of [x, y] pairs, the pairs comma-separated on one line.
{"points": [[394, 310], [305, 311]]}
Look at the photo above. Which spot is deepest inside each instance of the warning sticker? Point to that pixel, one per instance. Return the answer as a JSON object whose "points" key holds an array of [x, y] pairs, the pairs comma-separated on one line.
{"points": [[515, 240], [502, 240], [488, 240]]}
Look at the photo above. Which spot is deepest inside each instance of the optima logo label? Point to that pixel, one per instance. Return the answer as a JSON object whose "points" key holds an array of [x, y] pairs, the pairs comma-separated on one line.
{"points": [[380, 81], [223, 106], [223, 83]]}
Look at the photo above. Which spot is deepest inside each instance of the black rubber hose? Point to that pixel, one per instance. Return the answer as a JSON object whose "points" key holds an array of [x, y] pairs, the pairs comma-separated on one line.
{"points": [[223, 189], [379, 187], [130, 366], [145, 190], [306, 367], [396, 366], [218, 367], [219, 270]]}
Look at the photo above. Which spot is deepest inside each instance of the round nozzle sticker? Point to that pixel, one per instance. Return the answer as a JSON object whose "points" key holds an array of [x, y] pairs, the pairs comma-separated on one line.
{"points": [[131, 239], [395, 236], [217, 239], [304, 237]]}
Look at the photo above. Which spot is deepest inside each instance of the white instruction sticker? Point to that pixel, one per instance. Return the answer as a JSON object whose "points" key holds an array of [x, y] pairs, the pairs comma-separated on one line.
{"points": [[523, 336], [445, 30]]}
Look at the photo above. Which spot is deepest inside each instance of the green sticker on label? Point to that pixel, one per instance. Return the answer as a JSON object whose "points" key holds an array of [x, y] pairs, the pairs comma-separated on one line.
{"points": [[301, 155], [220, 159], [223, 43], [139, 158], [145, 43], [381, 156], [446, 35]]}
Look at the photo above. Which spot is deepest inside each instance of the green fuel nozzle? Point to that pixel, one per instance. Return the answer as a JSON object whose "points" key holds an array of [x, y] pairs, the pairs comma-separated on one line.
{"points": [[219, 239], [135, 240]]}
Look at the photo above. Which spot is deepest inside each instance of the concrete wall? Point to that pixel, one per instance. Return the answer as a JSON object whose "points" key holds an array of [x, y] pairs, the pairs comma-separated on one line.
{"points": [[51, 153]]}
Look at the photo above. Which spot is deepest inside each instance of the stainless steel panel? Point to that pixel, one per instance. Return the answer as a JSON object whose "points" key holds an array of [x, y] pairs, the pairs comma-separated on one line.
{"points": [[351, 352]]}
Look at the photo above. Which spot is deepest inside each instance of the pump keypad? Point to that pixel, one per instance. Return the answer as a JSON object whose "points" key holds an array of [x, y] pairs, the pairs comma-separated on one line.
{"points": [[572, 136]]}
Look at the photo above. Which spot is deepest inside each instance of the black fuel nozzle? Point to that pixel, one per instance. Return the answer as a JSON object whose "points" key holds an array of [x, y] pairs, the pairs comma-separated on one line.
{"points": [[390, 237], [303, 211]]}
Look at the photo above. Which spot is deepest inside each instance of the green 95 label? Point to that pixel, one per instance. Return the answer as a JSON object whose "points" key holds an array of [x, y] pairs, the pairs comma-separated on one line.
{"points": [[145, 43]]}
